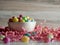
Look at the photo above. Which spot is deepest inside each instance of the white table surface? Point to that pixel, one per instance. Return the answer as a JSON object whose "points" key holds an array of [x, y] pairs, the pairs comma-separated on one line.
{"points": [[31, 43]]}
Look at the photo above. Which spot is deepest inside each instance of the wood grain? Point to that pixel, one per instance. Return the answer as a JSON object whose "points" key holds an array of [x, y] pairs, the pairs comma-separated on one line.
{"points": [[27, 6]]}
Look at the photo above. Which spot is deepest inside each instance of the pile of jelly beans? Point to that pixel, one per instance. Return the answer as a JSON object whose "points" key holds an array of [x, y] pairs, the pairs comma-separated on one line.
{"points": [[40, 34], [21, 18]]}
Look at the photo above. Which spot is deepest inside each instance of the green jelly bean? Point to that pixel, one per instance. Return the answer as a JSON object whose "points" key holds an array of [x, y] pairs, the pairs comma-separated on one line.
{"points": [[27, 34], [24, 18], [33, 33]]}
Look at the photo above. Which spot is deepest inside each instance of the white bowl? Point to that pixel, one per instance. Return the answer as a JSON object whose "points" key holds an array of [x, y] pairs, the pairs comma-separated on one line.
{"points": [[29, 26]]}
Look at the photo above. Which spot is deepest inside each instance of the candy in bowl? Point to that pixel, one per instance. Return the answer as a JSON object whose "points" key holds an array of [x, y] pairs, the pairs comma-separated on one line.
{"points": [[23, 22]]}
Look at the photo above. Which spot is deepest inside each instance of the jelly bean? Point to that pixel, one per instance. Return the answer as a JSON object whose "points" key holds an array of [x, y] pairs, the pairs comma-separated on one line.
{"points": [[10, 20], [22, 32], [15, 19], [6, 40], [32, 20], [20, 15], [1, 37], [37, 38], [27, 34], [20, 36], [46, 40], [32, 37], [20, 18], [7, 29], [33, 33], [25, 39], [23, 29], [3, 33], [24, 18], [50, 36], [9, 33], [27, 17], [38, 27]]}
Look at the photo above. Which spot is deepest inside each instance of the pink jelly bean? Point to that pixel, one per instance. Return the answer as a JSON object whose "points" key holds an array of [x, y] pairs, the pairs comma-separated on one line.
{"points": [[16, 33], [20, 36], [9, 34], [6, 40], [37, 38], [46, 40], [23, 29], [38, 27], [14, 40], [32, 38], [7, 29], [22, 33], [3, 33], [20, 18]]}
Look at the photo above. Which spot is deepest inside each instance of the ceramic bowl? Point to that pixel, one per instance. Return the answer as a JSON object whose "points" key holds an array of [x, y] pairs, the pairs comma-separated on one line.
{"points": [[28, 26]]}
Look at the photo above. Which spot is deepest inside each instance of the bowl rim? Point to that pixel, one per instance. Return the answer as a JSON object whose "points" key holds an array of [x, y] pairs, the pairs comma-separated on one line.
{"points": [[22, 22]]}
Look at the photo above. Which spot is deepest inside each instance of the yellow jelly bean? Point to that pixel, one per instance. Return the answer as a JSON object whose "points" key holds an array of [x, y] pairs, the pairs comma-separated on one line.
{"points": [[25, 39], [15, 19], [30, 18], [27, 17], [22, 20]]}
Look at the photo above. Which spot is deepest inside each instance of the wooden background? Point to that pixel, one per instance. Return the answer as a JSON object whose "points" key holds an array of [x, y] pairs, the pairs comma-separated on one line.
{"points": [[30, 5]]}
